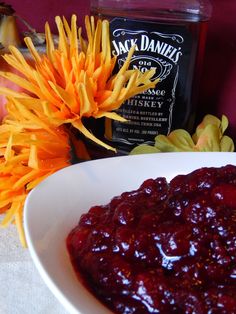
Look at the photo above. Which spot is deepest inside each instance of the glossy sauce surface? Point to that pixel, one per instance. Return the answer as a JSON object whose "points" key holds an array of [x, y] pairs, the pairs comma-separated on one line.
{"points": [[163, 248]]}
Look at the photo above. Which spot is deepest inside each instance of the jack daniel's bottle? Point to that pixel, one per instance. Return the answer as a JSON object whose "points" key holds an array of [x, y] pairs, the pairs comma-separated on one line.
{"points": [[170, 37]]}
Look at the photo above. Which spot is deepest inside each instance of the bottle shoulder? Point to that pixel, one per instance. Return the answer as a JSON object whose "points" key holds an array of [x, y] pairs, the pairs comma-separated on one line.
{"points": [[194, 9]]}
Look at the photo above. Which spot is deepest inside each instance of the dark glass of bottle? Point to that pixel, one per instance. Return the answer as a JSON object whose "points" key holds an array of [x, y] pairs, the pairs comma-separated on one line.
{"points": [[170, 37]]}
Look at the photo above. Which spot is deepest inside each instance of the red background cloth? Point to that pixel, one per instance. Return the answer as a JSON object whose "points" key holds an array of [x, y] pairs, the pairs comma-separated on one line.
{"points": [[218, 85]]}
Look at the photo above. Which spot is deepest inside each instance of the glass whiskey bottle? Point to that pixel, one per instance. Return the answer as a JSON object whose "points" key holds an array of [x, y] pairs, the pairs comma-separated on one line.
{"points": [[170, 37]]}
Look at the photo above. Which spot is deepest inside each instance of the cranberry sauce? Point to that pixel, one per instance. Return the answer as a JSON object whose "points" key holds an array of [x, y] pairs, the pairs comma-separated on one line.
{"points": [[163, 248]]}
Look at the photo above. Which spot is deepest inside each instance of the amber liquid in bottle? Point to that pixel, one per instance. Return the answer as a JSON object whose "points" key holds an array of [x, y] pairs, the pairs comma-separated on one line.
{"points": [[172, 43]]}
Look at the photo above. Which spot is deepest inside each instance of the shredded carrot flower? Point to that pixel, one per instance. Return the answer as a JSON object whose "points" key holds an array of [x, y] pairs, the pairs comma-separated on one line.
{"points": [[62, 86]]}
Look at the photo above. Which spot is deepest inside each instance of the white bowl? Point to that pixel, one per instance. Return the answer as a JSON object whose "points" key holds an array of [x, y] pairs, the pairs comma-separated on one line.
{"points": [[54, 207]]}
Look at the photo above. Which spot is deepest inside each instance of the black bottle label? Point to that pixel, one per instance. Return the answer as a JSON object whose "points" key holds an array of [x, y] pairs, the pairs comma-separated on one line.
{"points": [[168, 49]]}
